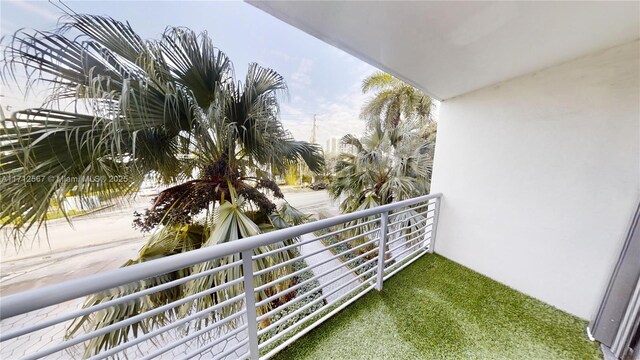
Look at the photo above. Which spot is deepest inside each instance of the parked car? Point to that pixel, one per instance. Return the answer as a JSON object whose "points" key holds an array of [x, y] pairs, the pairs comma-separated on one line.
{"points": [[318, 186]]}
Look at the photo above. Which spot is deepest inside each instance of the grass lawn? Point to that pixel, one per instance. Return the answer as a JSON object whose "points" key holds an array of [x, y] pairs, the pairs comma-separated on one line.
{"points": [[55, 214], [437, 309]]}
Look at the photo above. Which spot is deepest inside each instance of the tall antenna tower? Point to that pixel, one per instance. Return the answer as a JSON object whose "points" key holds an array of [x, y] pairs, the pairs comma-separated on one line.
{"points": [[314, 130], [313, 141]]}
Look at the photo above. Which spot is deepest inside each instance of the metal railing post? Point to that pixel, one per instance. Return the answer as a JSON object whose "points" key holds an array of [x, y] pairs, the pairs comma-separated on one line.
{"points": [[382, 243], [432, 246], [250, 303]]}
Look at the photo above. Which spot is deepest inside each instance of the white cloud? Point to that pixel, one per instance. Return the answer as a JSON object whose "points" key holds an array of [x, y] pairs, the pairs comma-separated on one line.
{"points": [[302, 75], [41, 8], [280, 55], [334, 118]]}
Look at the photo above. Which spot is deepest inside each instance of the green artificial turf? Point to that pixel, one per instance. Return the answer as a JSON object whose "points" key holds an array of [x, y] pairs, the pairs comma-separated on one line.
{"points": [[437, 309]]}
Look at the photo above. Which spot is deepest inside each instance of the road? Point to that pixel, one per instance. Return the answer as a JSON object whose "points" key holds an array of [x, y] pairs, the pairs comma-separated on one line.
{"points": [[103, 241], [99, 242], [311, 202]]}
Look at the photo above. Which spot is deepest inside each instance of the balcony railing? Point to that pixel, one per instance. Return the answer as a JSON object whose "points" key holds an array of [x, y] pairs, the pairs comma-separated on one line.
{"points": [[254, 306]]}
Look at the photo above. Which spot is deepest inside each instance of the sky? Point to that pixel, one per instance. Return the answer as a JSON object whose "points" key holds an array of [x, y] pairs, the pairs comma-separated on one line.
{"points": [[322, 79]]}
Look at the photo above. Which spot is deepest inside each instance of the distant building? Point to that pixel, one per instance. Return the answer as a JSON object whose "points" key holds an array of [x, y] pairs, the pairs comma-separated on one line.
{"points": [[333, 146]]}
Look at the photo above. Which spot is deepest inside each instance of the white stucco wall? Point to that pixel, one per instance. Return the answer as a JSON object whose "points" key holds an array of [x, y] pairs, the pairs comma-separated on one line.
{"points": [[540, 175]]}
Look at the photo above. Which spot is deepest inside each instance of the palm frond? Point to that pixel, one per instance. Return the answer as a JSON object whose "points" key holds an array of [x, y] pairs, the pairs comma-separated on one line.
{"points": [[390, 163], [165, 242], [394, 101], [290, 215], [376, 81], [50, 153], [196, 64]]}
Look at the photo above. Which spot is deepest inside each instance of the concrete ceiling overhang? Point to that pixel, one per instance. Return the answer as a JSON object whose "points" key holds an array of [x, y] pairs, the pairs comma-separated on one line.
{"points": [[451, 48]]}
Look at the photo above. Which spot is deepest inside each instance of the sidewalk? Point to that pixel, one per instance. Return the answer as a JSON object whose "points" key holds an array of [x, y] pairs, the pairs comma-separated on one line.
{"points": [[101, 227], [323, 256]]}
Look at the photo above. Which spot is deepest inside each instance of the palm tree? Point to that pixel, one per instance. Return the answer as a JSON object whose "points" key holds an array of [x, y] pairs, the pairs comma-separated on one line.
{"points": [[383, 167], [393, 161], [167, 107], [394, 101]]}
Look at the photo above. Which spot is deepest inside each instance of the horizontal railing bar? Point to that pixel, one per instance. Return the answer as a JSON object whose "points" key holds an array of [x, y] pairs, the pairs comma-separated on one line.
{"points": [[200, 314], [411, 217], [324, 318], [297, 244], [117, 301], [401, 245], [397, 235], [298, 272], [409, 249], [208, 346], [27, 301], [200, 333], [417, 223], [291, 261], [404, 252], [316, 277], [419, 205], [393, 224], [404, 236], [310, 304], [107, 329], [424, 209], [425, 251], [310, 292], [408, 241], [421, 226], [281, 249], [407, 238]]}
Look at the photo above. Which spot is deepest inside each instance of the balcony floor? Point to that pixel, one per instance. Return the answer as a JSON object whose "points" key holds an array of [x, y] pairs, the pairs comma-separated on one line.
{"points": [[437, 309]]}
